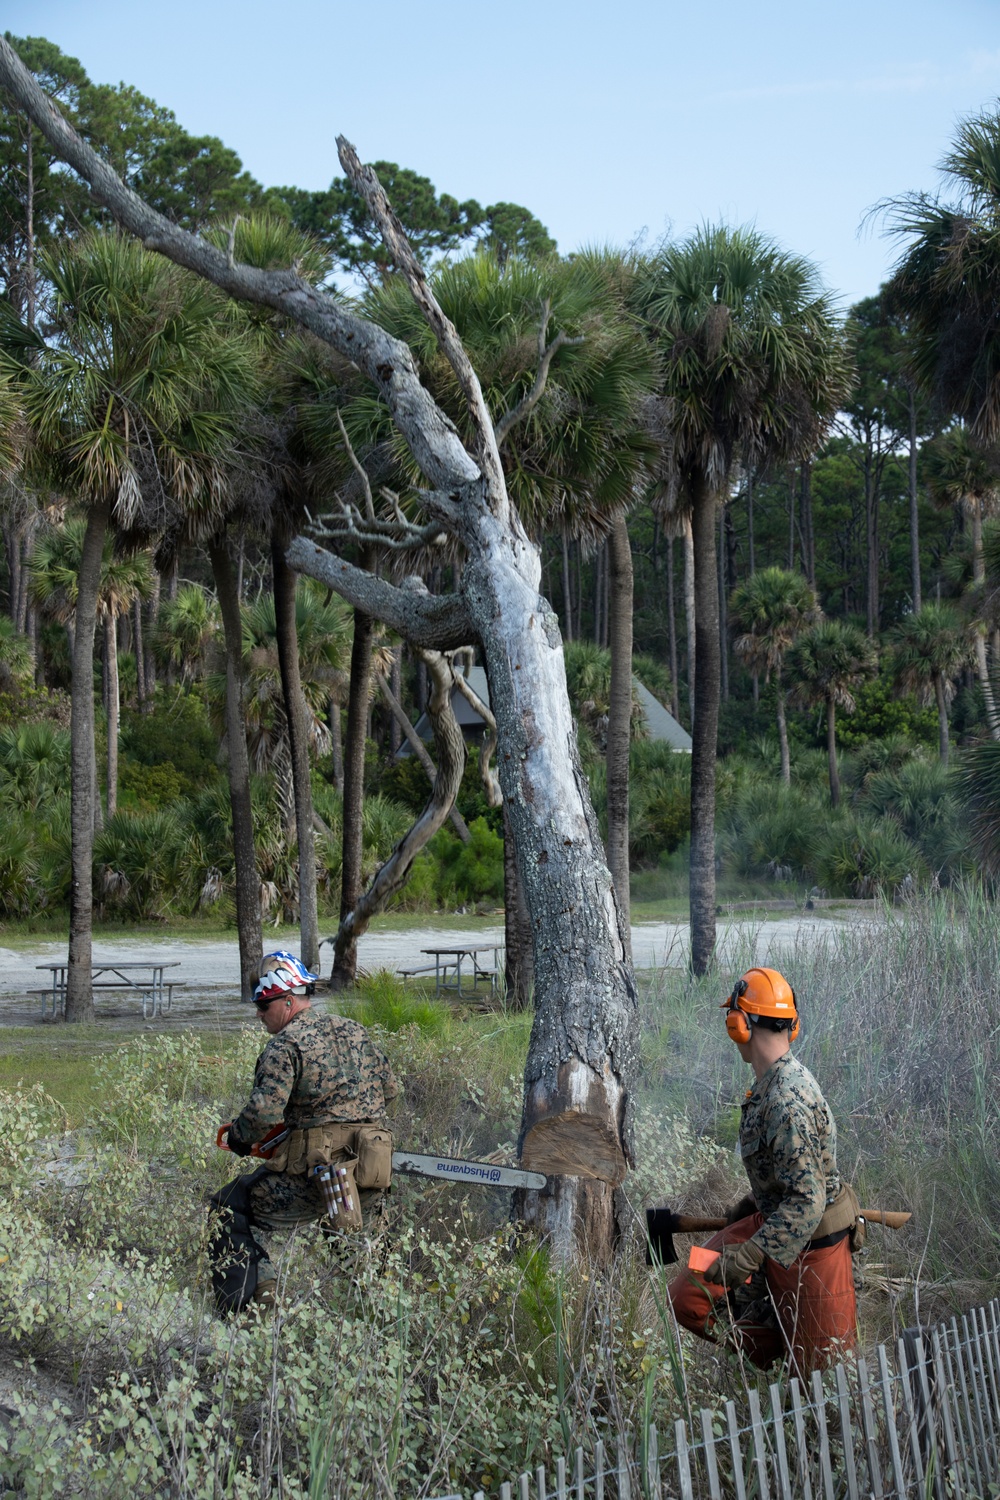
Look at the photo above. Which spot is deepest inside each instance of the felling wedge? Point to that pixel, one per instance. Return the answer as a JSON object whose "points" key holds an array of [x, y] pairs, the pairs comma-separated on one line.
{"points": [[662, 1224]]}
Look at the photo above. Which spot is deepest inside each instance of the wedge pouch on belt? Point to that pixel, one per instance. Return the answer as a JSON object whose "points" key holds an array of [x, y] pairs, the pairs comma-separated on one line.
{"points": [[843, 1213], [371, 1145]]}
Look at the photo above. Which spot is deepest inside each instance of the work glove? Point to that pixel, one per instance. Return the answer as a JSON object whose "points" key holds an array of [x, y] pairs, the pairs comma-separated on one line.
{"points": [[735, 1264], [237, 1146]]}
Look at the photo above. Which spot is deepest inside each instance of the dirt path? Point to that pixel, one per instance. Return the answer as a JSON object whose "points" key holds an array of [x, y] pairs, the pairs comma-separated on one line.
{"points": [[208, 969]]}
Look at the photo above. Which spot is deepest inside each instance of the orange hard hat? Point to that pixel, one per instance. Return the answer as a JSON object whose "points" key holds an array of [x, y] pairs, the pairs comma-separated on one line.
{"points": [[760, 992]]}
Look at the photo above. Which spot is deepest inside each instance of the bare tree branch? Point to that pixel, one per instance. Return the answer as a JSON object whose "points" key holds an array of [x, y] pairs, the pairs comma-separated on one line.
{"points": [[431, 436], [395, 536], [491, 784], [444, 789], [367, 184], [432, 621], [419, 749], [358, 468], [546, 354]]}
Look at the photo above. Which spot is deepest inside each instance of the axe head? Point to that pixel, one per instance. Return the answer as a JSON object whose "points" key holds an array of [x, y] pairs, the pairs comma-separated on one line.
{"points": [[660, 1227]]}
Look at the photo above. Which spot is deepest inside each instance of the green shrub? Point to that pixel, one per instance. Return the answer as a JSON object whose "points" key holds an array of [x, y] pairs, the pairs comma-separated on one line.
{"points": [[20, 892], [152, 787], [861, 857], [472, 873], [139, 863], [383, 1000], [179, 731], [771, 830]]}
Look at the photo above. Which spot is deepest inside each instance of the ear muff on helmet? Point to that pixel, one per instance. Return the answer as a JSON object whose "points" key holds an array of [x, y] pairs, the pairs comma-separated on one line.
{"points": [[766, 994], [737, 1024]]}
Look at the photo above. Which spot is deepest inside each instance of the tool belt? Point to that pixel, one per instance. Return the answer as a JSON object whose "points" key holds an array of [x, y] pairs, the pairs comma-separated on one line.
{"points": [[369, 1146], [840, 1218]]}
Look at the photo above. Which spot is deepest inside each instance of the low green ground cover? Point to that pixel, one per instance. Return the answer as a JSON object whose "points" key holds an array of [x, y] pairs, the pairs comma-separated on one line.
{"points": [[454, 1354]]}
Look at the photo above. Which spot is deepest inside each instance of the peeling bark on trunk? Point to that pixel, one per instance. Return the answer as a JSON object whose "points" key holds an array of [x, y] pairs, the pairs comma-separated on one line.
{"points": [[247, 879], [345, 953], [79, 986], [620, 717], [705, 731], [519, 975], [286, 637]]}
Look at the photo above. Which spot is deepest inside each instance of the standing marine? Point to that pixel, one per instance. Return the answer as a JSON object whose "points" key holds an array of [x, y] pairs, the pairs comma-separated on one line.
{"points": [[324, 1080], [792, 1239]]}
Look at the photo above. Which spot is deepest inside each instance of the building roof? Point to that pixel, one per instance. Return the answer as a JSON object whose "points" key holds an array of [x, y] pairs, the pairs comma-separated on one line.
{"points": [[662, 726]]}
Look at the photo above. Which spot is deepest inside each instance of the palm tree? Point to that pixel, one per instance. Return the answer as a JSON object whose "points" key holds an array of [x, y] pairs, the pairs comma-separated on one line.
{"points": [[929, 649], [186, 626], [827, 664], [752, 368], [771, 609], [54, 571], [947, 281], [960, 472], [128, 402]]}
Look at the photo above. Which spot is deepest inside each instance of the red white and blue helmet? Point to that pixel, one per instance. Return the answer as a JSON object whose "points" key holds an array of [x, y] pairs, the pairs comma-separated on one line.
{"points": [[281, 974]]}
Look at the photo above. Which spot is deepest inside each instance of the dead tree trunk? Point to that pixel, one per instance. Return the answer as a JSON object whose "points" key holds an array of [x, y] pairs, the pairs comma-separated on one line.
{"points": [[577, 1118]]}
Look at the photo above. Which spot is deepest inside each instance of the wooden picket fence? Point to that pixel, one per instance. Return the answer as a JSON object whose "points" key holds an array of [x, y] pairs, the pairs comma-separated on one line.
{"points": [[924, 1423]]}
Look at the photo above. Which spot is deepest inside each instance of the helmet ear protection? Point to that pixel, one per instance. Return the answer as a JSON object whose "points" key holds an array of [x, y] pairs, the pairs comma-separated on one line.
{"points": [[737, 1020]]}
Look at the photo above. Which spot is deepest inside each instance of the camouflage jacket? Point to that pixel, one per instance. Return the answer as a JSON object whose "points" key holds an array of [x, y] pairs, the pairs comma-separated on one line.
{"points": [[317, 1070], [788, 1142]]}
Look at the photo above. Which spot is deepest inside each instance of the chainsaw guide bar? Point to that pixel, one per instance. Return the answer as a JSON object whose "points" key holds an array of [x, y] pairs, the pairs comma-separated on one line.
{"points": [[482, 1172]]}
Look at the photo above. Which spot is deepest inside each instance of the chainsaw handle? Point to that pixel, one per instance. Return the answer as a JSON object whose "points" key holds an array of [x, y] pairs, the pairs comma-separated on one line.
{"points": [[892, 1218]]}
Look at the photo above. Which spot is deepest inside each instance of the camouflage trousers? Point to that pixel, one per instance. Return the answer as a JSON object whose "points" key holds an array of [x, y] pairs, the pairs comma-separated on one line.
{"points": [[263, 1202]]}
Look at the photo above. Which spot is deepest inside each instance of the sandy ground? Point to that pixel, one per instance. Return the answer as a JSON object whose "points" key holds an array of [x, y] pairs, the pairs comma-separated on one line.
{"points": [[208, 969]]}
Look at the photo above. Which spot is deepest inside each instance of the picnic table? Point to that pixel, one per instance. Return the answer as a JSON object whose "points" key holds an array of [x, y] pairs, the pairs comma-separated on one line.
{"points": [[144, 979], [447, 959]]}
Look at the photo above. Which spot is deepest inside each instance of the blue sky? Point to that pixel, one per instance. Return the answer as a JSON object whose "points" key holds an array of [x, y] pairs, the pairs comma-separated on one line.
{"points": [[605, 121]]}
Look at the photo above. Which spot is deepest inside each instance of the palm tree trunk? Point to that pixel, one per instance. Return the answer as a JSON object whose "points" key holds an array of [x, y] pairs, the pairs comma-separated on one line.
{"points": [[750, 551], [675, 707], [942, 708], [689, 612], [705, 731], [396, 683], [871, 550], [247, 879], [287, 641], [567, 591], [620, 581], [831, 752], [139, 648], [114, 711], [149, 660], [723, 626], [79, 982], [336, 745], [345, 953], [978, 579], [915, 590], [786, 764]]}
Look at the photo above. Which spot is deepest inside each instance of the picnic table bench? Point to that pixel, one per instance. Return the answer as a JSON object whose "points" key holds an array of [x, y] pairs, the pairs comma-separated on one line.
{"points": [[143, 979], [447, 959]]}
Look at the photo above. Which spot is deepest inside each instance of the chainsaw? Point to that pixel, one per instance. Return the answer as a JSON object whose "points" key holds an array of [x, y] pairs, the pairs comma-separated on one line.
{"points": [[413, 1163]]}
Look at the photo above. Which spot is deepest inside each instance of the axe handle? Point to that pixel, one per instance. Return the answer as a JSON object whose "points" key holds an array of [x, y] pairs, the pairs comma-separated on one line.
{"points": [[694, 1223], [891, 1218]]}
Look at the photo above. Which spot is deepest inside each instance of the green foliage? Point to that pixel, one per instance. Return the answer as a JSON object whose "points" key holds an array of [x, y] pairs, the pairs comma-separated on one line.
{"points": [[152, 787], [383, 1000], [772, 830], [880, 714], [470, 874], [860, 856], [19, 866], [177, 733], [139, 863]]}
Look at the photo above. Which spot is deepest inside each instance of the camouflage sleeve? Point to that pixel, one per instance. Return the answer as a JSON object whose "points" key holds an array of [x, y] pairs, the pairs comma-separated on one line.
{"points": [[275, 1076], [390, 1088], [799, 1172]]}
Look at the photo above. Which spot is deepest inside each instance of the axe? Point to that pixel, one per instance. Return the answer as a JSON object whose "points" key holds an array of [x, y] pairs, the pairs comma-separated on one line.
{"points": [[662, 1224]]}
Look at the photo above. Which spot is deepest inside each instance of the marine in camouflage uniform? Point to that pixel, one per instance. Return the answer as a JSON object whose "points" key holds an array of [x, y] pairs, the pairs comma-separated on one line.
{"points": [[792, 1237], [316, 1070]]}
